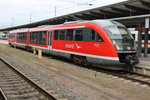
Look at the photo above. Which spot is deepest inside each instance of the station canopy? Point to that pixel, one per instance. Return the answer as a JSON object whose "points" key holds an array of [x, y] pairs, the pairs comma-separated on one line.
{"points": [[129, 13]]}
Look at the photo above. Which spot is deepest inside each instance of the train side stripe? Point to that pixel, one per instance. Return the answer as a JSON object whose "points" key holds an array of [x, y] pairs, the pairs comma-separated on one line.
{"points": [[69, 27], [94, 56], [83, 54]]}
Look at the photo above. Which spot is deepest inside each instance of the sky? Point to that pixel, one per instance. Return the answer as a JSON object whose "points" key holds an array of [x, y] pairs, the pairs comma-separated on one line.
{"points": [[19, 12]]}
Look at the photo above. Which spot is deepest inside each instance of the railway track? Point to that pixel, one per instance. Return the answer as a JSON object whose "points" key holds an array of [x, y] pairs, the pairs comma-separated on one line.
{"points": [[134, 77], [2, 95], [17, 86]]}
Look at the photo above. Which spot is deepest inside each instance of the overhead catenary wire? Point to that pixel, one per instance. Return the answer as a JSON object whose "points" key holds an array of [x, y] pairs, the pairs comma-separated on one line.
{"points": [[56, 9]]}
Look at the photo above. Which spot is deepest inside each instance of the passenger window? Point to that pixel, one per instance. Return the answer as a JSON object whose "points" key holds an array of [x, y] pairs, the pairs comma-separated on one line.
{"points": [[62, 35], [69, 35], [92, 35], [40, 40], [21, 37], [38, 37], [56, 35], [78, 35], [43, 38]]}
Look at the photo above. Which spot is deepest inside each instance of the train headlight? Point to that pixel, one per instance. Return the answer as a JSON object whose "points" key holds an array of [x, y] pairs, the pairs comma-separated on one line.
{"points": [[118, 47]]}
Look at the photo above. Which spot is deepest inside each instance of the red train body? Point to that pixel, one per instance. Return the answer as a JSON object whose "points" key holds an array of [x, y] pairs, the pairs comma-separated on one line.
{"points": [[101, 43]]}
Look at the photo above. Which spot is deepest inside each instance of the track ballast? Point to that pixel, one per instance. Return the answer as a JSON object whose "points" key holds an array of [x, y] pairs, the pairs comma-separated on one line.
{"points": [[16, 86]]}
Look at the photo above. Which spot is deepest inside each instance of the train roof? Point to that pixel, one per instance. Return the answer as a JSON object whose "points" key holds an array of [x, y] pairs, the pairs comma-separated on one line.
{"points": [[20, 30], [101, 23]]}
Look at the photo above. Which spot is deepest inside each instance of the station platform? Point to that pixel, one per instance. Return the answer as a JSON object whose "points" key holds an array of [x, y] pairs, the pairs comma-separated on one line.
{"points": [[144, 66], [4, 41]]}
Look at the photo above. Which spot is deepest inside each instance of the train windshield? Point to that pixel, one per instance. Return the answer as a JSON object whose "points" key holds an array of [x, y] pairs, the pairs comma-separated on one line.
{"points": [[121, 37], [118, 32]]}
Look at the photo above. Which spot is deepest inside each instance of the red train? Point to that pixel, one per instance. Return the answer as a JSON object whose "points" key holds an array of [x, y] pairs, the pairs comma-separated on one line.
{"points": [[100, 43]]}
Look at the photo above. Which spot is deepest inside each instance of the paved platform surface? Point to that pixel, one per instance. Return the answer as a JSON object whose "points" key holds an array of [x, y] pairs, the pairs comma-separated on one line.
{"points": [[143, 67], [4, 41], [144, 62]]}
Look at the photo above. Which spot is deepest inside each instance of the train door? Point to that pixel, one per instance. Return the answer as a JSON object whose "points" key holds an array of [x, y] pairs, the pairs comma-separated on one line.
{"points": [[50, 39]]}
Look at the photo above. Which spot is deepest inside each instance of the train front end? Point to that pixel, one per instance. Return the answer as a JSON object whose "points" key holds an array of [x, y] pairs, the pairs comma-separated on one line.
{"points": [[123, 42]]}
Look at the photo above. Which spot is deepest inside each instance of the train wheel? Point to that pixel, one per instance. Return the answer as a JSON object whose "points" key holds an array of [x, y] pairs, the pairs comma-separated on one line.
{"points": [[77, 60], [28, 48], [80, 60], [85, 62]]}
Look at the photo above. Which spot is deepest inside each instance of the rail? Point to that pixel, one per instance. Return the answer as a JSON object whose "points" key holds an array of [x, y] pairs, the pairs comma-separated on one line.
{"points": [[40, 89], [132, 76], [2, 95]]}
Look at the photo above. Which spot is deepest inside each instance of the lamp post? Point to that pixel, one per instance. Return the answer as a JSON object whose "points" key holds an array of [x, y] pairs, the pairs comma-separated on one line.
{"points": [[30, 17], [12, 21], [55, 11]]}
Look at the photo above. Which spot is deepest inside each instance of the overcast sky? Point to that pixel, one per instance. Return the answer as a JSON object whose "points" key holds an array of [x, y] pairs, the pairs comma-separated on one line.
{"points": [[17, 12]]}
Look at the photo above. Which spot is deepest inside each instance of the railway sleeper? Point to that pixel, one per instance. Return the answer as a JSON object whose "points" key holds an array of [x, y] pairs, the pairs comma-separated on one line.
{"points": [[20, 91], [26, 95]]}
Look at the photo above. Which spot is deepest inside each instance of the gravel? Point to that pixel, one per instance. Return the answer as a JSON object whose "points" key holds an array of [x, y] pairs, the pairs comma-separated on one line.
{"points": [[42, 78]]}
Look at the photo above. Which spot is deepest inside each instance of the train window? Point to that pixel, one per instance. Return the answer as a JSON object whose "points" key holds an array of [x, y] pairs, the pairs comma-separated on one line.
{"points": [[133, 36], [21, 37], [62, 34], [78, 35], [32, 37], [35, 37], [69, 35], [38, 37], [92, 35], [11, 35], [99, 39], [40, 40], [82, 34], [43, 38], [95, 37], [56, 35]]}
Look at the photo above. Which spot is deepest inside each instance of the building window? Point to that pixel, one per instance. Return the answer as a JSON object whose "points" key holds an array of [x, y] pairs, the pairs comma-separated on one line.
{"points": [[143, 37]]}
